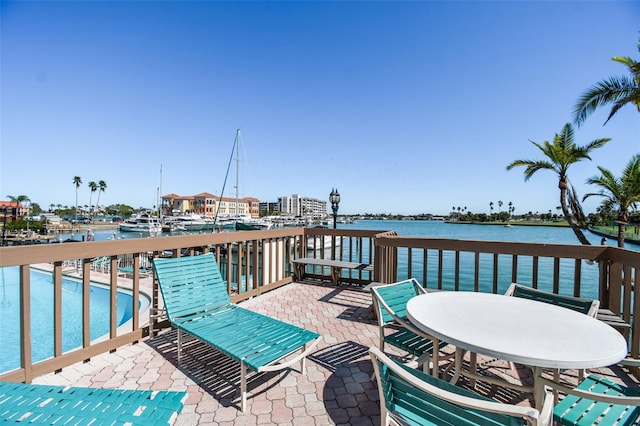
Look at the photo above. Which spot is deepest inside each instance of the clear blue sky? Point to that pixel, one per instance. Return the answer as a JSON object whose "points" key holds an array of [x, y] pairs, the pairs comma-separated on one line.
{"points": [[405, 107]]}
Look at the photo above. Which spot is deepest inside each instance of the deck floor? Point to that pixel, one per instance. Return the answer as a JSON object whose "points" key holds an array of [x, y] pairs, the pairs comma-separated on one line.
{"points": [[336, 389]]}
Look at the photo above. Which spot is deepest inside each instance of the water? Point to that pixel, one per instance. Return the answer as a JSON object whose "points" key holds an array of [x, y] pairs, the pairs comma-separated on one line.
{"points": [[42, 315], [527, 234]]}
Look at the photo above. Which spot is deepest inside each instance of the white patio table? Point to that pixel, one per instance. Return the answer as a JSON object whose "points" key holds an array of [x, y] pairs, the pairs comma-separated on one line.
{"points": [[537, 334]]}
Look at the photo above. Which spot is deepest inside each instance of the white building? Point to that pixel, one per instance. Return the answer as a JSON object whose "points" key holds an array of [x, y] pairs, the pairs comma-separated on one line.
{"points": [[297, 205]]}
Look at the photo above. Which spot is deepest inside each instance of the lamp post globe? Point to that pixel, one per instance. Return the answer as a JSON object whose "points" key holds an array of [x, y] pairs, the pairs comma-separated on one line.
{"points": [[334, 197]]}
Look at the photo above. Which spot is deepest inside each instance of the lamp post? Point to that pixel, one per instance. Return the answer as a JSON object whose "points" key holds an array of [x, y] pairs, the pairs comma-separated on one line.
{"points": [[334, 197]]}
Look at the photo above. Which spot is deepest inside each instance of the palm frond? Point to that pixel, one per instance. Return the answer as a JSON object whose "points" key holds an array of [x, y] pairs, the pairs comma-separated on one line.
{"points": [[603, 93]]}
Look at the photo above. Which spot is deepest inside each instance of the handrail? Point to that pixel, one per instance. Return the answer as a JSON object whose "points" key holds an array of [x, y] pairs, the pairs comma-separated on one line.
{"points": [[254, 262]]}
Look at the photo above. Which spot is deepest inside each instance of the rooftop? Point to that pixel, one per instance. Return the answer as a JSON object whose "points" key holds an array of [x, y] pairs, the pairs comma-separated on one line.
{"points": [[337, 387]]}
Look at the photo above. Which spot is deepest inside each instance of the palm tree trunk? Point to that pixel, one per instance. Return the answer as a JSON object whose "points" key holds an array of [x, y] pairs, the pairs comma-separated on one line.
{"points": [[621, 227], [569, 217]]}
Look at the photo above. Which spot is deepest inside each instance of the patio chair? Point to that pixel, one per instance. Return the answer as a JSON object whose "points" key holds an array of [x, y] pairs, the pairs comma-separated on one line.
{"points": [[45, 404], [582, 305], [596, 400], [196, 301], [410, 396], [390, 304]]}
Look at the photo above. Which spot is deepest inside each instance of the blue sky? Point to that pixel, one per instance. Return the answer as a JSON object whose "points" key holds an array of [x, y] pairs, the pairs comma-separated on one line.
{"points": [[405, 107]]}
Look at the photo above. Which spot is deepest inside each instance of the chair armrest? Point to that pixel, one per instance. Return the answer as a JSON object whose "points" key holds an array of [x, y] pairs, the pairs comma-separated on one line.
{"points": [[630, 362], [599, 397]]}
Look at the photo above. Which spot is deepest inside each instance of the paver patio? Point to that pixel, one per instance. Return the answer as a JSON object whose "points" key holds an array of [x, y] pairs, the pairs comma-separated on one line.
{"points": [[336, 389]]}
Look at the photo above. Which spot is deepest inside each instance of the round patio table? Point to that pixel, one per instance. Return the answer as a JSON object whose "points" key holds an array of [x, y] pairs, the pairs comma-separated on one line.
{"points": [[537, 334]]}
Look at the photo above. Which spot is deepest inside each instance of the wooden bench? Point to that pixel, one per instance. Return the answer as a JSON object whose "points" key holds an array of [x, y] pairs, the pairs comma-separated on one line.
{"points": [[300, 266]]}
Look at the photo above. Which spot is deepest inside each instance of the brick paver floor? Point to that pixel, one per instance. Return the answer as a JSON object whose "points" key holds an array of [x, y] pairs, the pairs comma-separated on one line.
{"points": [[336, 389]]}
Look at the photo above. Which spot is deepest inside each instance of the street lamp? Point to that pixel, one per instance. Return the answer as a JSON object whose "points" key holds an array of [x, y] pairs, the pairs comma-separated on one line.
{"points": [[334, 197]]}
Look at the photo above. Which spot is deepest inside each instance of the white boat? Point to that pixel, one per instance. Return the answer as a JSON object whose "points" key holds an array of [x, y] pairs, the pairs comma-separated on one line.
{"points": [[320, 242], [187, 222], [142, 222]]}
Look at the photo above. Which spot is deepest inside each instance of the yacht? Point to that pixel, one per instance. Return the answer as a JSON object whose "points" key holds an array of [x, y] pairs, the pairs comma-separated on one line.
{"points": [[142, 222], [187, 222]]}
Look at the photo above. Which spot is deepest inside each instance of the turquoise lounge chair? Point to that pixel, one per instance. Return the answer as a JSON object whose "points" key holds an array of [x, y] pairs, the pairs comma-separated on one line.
{"points": [[196, 299], [43, 404]]}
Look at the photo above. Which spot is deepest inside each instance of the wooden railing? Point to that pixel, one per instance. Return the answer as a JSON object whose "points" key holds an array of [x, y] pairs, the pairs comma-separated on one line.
{"points": [[254, 262]]}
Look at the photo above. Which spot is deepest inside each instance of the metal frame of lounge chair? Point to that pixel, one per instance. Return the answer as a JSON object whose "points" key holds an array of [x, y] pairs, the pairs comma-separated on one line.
{"points": [[410, 396], [390, 301], [196, 300], [45, 404]]}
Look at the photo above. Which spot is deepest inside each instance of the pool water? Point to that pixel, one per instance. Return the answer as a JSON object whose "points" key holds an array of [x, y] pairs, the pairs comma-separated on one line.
{"points": [[42, 314]]}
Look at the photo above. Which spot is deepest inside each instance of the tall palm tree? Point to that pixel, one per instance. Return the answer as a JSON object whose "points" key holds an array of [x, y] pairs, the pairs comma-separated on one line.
{"points": [[491, 209], [77, 181], [102, 186], [562, 153], [93, 187], [622, 193], [617, 91]]}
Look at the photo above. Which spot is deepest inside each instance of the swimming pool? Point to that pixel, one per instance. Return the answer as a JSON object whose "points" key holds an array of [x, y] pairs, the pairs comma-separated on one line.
{"points": [[42, 314]]}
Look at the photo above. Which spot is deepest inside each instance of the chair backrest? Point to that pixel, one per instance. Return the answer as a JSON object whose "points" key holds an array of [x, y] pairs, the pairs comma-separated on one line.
{"points": [[390, 300], [410, 396], [582, 305], [190, 284]]}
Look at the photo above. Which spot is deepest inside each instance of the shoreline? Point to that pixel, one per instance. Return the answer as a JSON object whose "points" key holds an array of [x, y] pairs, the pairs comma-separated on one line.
{"points": [[549, 224]]}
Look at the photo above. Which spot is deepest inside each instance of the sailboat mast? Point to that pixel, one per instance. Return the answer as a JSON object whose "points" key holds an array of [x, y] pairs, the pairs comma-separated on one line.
{"points": [[160, 195], [237, 168]]}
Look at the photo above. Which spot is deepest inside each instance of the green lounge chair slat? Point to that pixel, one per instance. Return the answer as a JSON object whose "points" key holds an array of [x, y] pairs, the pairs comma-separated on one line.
{"points": [[61, 405], [196, 299]]}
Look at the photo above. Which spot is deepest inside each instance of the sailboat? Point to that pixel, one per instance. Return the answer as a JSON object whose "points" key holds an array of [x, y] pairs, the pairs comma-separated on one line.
{"points": [[239, 223]]}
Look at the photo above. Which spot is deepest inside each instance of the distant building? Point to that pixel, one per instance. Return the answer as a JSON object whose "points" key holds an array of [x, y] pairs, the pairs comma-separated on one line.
{"points": [[298, 205], [269, 206], [209, 205], [12, 210]]}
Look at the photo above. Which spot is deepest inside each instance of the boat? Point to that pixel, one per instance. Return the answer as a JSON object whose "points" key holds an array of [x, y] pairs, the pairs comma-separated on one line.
{"points": [[238, 222], [320, 242], [142, 222], [186, 222]]}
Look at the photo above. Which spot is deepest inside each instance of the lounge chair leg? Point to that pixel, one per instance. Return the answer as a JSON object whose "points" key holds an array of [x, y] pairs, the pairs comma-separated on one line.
{"points": [[179, 345], [243, 386], [303, 361]]}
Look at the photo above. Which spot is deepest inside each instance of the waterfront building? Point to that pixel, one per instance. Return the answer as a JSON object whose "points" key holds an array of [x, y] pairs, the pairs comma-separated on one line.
{"points": [[209, 205], [298, 205]]}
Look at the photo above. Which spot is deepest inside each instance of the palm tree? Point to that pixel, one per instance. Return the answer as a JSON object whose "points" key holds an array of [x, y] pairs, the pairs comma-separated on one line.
{"points": [[93, 187], [77, 181], [102, 186], [617, 91], [561, 154], [623, 192]]}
